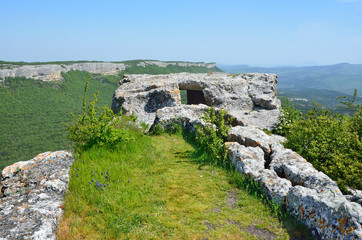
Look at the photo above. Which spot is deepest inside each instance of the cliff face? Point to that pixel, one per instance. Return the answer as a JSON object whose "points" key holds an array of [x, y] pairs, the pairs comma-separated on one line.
{"points": [[51, 72]]}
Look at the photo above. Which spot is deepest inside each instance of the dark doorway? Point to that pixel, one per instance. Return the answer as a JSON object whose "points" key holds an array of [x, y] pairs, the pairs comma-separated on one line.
{"points": [[195, 97]]}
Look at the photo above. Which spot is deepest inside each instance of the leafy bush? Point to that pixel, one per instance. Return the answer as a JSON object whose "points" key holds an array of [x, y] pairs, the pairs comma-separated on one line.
{"points": [[330, 141], [289, 115], [95, 127], [212, 136]]}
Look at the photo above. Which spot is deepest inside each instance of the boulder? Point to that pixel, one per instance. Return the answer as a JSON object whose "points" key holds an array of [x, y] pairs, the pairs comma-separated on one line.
{"points": [[330, 217], [188, 116], [145, 94], [249, 161], [254, 137], [290, 165], [275, 187], [32, 193]]}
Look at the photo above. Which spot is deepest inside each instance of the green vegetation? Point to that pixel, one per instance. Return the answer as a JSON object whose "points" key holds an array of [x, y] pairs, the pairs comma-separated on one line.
{"points": [[330, 141], [32, 113], [154, 69], [94, 127], [303, 99], [151, 187], [212, 136], [6, 65]]}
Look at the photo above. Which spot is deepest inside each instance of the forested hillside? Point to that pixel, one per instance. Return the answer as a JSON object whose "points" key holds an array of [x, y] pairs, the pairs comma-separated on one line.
{"points": [[33, 112]]}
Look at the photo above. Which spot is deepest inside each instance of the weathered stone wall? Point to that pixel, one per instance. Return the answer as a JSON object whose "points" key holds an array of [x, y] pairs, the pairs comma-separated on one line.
{"points": [[31, 195], [285, 176], [244, 96]]}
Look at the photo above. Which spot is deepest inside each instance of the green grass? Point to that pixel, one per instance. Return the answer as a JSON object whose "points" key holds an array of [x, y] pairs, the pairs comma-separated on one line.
{"points": [[157, 191]]}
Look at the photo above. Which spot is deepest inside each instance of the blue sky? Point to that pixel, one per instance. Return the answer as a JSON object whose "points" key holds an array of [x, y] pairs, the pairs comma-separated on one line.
{"points": [[258, 32]]}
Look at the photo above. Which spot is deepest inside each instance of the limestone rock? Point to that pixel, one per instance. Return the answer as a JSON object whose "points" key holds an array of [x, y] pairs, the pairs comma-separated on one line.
{"points": [[51, 72], [219, 90], [247, 160], [355, 196], [263, 90], [251, 136], [275, 187], [188, 116], [290, 165], [332, 218], [32, 193]]}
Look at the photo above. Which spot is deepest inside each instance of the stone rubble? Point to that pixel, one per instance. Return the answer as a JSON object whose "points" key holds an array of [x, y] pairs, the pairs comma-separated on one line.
{"points": [[31, 196]]}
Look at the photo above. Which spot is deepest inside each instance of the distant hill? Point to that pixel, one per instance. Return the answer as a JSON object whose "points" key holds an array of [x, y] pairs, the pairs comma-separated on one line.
{"points": [[341, 77]]}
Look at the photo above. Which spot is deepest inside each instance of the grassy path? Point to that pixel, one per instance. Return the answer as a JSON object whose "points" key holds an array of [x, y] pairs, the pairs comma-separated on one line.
{"points": [[155, 191]]}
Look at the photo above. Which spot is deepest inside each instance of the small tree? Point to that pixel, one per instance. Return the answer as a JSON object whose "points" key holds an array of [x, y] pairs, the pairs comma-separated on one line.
{"points": [[95, 127]]}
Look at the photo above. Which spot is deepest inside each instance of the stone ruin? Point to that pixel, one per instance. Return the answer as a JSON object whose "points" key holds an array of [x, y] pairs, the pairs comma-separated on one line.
{"points": [[31, 192], [286, 177], [251, 97]]}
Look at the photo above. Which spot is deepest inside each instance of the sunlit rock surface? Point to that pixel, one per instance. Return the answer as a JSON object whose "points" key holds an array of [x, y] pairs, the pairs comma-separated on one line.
{"points": [[31, 195]]}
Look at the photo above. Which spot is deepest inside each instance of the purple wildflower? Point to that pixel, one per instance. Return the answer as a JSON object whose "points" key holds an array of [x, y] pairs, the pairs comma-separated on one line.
{"points": [[78, 169], [128, 180], [92, 180], [76, 174], [83, 161], [102, 173]]}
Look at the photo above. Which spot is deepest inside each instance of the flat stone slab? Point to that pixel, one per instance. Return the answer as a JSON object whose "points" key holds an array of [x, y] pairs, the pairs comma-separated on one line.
{"points": [[31, 195]]}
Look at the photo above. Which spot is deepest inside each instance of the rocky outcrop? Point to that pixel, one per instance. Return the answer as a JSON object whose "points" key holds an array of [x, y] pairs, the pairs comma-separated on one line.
{"points": [[286, 177], [51, 72], [31, 195], [244, 96]]}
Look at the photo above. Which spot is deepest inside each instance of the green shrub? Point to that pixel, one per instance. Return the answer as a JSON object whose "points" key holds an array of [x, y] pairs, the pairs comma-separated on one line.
{"points": [[330, 141], [174, 127], [95, 126], [212, 136], [289, 115]]}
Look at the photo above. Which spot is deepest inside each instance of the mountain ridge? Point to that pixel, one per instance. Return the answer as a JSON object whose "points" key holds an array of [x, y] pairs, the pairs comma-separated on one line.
{"points": [[342, 77]]}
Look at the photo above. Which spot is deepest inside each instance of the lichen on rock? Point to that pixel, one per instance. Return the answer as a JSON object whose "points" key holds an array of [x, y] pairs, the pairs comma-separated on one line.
{"points": [[32, 193]]}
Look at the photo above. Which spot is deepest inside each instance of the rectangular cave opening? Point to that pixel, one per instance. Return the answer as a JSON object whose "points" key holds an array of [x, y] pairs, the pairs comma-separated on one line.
{"points": [[192, 97]]}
